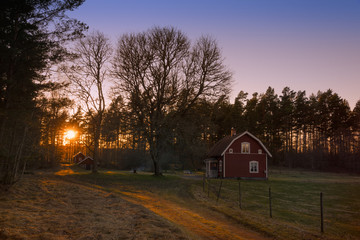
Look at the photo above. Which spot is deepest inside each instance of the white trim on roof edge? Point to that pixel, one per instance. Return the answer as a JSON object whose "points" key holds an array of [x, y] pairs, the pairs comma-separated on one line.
{"points": [[224, 167], [85, 159], [246, 132]]}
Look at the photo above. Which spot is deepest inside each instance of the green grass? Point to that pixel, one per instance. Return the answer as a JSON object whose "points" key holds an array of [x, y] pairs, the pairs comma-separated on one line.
{"points": [[295, 199], [169, 185], [295, 204]]}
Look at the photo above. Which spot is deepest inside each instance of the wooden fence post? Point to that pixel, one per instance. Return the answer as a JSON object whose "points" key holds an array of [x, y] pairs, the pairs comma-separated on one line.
{"points": [[208, 181], [218, 196], [321, 212], [239, 195], [204, 183], [270, 202]]}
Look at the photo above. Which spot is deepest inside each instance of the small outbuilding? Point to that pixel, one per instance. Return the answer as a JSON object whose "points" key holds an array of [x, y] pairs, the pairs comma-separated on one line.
{"points": [[238, 156], [78, 157], [87, 163]]}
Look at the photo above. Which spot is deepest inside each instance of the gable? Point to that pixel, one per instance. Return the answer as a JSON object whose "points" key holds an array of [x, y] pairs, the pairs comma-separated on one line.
{"points": [[224, 144], [79, 155], [255, 143], [244, 144], [87, 160]]}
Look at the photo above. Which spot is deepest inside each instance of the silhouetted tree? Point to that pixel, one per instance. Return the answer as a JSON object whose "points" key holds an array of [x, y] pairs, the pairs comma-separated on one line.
{"points": [[31, 38], [87, 75], [53, 122], [238, 112], [163, 76]]}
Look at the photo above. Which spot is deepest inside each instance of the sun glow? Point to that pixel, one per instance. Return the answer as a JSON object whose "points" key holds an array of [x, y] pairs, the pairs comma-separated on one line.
{"points": [[70, 134]]}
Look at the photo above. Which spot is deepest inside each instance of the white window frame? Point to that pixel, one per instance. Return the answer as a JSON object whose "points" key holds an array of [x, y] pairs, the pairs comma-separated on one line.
{"points": [[242, 147], [259, 151], [231, 150], [257, 166]]}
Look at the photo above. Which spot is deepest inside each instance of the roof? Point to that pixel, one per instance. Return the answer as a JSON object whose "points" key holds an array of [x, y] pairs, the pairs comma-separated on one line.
{"points": [[90, 158], [79, 153], [221, 146]]}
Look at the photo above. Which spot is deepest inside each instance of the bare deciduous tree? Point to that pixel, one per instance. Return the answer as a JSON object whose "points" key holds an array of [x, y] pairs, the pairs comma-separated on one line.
{"points": [[87, 74], [162, 76]]}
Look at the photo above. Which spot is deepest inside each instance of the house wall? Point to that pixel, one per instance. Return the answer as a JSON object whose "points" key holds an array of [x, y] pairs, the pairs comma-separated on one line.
{"points": [[237, 164], [87, 164], [254, 145]]}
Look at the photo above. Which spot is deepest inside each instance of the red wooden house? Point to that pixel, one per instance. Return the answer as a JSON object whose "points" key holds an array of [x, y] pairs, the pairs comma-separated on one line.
{"points": [[87, 163], [238, 156], [78, 157]]}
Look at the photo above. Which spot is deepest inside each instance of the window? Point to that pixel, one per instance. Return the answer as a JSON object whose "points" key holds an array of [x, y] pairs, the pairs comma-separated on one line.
{"points": [[259, 151], [245, 147], [220, 166], [254, 166], [230, 150]]}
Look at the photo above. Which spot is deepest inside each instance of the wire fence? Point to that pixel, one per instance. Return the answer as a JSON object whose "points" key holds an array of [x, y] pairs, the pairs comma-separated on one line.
{"points": [[312, 208]]}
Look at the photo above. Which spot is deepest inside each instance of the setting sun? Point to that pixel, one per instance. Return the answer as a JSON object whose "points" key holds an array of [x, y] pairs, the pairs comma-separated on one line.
{"points": [[70, 134]]}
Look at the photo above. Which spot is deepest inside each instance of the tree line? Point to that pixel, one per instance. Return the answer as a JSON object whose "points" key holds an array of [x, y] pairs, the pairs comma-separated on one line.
{"points": [[169, 100], [318, 131]]}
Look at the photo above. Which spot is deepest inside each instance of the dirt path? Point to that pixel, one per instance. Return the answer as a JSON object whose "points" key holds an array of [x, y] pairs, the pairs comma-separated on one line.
{"points": [[199, 224], [48, 208], [52, 207], [209, 227]]}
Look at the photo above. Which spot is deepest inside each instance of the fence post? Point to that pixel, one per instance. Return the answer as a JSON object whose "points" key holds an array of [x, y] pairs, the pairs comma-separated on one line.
{"points": [[204, 183], [208, 181], [218, 196], [321, 212], [239, 195], [270, 202]]}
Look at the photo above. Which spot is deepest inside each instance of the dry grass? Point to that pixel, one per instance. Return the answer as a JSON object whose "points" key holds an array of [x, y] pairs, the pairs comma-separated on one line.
{"points": [[75, 204], [169, 197], [46, 207]]}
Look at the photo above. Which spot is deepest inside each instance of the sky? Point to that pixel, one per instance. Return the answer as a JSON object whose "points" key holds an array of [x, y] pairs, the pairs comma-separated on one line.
{"points": [[307, 45]]}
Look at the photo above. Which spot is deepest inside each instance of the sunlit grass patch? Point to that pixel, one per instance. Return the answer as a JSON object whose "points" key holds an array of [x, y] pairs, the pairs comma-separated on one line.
{"points": [[64, 172]]}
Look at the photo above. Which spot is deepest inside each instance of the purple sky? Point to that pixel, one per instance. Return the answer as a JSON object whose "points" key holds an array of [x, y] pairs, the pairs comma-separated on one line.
{"points": [[304, 44]]}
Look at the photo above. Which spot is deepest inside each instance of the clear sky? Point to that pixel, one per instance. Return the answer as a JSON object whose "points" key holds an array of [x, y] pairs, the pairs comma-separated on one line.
{"points": [[303, 44]]}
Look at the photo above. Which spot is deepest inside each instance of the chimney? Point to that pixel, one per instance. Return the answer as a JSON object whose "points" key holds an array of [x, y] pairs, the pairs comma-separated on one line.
{"points": [[233, 132]]}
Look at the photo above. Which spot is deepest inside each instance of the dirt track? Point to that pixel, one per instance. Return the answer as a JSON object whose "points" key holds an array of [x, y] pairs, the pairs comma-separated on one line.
{"points": [[208, 227], [48, 207]]}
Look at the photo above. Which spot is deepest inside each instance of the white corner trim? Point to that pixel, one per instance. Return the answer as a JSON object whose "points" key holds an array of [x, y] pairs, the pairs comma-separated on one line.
{"points": [[224, 167], [267, 170]]}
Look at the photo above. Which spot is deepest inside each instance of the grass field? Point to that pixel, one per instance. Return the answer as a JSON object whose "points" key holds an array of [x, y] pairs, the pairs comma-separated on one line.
{"points": [[295, 200], [295, 204], [47, 207], [122, 205]]}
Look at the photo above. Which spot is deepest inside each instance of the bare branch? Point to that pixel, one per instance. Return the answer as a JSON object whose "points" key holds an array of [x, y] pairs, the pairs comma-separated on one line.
{"points": [[162, 77]]}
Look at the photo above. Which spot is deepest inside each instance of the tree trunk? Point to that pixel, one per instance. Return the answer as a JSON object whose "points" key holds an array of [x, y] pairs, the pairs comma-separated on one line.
{"points": [[96, 149], [154, 152], [157, 171]]}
